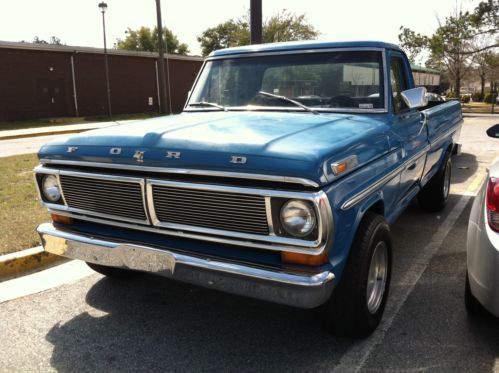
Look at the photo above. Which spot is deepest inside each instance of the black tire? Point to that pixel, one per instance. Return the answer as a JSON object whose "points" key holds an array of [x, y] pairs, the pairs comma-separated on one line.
{"points": [[473, 306], [347, 312], [112, 272], [434, 195]]}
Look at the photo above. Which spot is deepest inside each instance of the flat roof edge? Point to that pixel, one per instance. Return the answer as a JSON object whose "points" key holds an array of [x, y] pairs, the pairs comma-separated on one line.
{"points": [[91, 50]]}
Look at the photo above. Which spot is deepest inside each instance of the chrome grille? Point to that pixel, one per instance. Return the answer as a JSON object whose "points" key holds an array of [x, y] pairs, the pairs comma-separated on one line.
{"points": [[122, 199], [210, 209]]}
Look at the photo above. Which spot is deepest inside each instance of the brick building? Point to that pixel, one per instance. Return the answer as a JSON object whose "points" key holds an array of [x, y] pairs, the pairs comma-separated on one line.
{"points": [[43, 81]]}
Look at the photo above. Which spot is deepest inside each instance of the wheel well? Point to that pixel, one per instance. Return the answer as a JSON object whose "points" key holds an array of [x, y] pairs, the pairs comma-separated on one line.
{"points": [[450, 148], [378, 208]]}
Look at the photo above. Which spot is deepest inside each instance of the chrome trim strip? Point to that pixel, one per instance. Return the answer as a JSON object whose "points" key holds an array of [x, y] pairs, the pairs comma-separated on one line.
{"points": [[213, 239], [381, 182], [312, 247], [293, 288], [268, 210], [184, 171], [250, 54]]}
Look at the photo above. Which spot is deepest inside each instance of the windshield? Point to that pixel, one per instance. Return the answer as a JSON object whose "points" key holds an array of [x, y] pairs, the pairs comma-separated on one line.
{"points": [[322, 81]]}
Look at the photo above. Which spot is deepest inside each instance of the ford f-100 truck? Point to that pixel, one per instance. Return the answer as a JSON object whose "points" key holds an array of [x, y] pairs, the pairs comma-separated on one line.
{"points": [[278, 181]]}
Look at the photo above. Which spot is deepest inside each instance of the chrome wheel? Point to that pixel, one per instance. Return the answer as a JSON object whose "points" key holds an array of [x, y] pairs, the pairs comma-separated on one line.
{"points": [[376, 280], [447, 174]]}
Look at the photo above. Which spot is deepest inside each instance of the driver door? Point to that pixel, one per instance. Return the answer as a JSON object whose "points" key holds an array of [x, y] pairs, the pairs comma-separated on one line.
{"points": [[407, 126]]}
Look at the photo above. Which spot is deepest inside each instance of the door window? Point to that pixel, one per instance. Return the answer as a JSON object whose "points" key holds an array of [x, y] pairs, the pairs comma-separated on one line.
{"points": [[398, 82]]}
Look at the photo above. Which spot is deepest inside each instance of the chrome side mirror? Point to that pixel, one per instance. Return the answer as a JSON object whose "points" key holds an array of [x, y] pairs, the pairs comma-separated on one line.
{"points": [[493, 131], [415, 97]]}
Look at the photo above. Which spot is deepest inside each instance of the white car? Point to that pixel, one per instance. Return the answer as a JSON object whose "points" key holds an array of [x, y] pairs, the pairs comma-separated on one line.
{"points": [[482, 280]]}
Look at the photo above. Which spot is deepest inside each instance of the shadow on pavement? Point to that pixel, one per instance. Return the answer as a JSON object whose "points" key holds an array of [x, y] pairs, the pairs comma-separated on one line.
{"points": [[153, 324], [464, 167]]}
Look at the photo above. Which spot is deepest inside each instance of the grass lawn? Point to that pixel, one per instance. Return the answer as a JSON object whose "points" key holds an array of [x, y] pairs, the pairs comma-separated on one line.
{"points": [[479, 107], [36, 123], [20, 210]]}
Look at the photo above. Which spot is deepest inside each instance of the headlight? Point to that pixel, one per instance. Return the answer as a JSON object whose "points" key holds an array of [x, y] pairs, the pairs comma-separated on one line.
{"points": [[298, 218], [50, 188]]}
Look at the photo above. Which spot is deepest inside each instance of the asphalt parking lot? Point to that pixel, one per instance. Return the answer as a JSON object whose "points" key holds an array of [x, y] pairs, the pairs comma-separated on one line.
{"points": [[153, 324]]}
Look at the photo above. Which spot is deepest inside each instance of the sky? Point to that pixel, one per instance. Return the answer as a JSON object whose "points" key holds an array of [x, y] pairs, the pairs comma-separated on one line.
{"points": [[78, 22]]}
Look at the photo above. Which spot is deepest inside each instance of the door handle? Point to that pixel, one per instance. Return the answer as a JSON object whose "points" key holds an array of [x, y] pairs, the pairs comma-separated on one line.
{"points": [[412, 166]]}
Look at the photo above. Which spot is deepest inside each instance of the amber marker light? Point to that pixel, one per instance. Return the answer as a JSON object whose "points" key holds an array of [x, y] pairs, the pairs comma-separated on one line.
{"points": [[306, 259], [347, 164], [61, 219]]}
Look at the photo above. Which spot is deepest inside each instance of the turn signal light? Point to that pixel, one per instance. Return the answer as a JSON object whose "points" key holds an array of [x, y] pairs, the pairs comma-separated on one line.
{"points": [[61, 219], [492, 203], [306, 259]]}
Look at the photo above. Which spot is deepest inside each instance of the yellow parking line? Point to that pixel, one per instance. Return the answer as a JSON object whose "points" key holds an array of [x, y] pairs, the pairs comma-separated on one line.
{"points": [[474, 186]]}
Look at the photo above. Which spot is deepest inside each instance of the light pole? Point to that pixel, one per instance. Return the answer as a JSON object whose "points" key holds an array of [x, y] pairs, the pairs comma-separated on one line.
{"points": [[103, 8], [161, 71]]}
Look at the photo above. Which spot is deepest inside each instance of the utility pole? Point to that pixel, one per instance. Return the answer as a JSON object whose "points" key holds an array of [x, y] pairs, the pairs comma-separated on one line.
{"points": [[163, 109], [256, 21], [103, 8]]}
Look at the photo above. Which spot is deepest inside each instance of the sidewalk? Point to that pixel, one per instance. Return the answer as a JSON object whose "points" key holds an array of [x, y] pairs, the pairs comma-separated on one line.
{"points": [[56, 130]]}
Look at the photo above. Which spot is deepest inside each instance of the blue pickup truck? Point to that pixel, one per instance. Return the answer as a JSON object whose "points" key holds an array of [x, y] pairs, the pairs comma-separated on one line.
{"points": [[278, 181]]}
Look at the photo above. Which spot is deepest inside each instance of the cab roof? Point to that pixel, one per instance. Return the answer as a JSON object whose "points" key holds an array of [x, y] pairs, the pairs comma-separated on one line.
{"points": [[302, 45]]}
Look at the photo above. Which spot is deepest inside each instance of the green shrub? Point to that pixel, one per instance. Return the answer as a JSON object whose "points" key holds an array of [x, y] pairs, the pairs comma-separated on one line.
{"points": [[477, 97], [451, 95], [489, 98], [465, 99]]}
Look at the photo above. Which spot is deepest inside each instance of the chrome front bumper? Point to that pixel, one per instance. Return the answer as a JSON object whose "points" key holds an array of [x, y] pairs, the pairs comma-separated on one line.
{"points": [[294, 289]]}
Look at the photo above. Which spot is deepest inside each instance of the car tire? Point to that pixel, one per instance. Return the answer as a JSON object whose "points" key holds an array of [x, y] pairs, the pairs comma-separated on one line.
{"points": [[473, 306], [357, 304], [434, 195], [112, 272]]}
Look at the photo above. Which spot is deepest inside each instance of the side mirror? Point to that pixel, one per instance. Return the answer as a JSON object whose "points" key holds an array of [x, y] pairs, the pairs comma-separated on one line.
{"points": [[493, 131], [415, 97]]}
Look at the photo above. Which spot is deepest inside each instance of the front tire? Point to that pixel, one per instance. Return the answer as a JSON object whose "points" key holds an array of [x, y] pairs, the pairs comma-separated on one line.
{"points": [[357, 304], [433, 197], [112, 272]]}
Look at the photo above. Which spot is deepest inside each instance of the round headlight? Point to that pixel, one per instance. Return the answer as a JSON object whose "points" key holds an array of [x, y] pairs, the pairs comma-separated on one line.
{"points": [[298, 218], [50, 188]]}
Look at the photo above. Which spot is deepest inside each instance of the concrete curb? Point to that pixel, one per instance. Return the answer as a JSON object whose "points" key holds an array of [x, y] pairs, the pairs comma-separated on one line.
{"points": [[16, 264], [49, 133], [59, 130]]}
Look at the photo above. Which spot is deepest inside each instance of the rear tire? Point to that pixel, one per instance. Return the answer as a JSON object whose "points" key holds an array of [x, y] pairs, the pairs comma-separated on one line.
{"points": [[357, 304], [433, 197], [112, 272]]}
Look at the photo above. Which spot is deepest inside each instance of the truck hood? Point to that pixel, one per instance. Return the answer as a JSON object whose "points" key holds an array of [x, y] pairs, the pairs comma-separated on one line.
{"points": [[276, 143]]}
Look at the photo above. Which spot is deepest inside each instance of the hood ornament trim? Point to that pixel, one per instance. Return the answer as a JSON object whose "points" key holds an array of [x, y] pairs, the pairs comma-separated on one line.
{"points": [[238, 159], [173, 155], [139, 156]]}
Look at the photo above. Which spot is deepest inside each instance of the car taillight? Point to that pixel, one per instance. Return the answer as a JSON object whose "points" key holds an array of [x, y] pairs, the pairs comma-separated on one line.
{"points": [[492, 203]]}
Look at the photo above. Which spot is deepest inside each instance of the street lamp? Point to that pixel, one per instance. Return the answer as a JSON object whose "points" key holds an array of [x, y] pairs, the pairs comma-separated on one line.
{"points": [[103, 8]]}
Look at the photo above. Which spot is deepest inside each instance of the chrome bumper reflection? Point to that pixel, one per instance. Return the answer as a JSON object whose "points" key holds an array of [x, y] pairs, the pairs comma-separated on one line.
{"points": [[299, 290]]}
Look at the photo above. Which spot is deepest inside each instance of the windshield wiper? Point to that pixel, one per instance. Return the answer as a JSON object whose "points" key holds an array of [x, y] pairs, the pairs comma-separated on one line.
{"points": [[206, 103], [287, 99]]}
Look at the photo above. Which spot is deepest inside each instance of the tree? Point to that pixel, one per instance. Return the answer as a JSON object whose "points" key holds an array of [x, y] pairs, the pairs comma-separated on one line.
{"points": [[485, 17], [54, 40], [145, 39], [228, 34], [412, 42], [283, 26], [480, 60], [453, 43]]}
